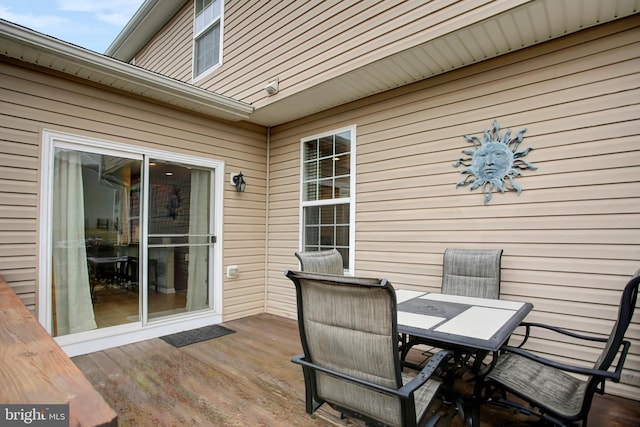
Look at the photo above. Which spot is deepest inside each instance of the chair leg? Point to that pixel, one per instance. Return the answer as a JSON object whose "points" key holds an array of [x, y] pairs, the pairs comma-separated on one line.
{"points": [[310, 404]]}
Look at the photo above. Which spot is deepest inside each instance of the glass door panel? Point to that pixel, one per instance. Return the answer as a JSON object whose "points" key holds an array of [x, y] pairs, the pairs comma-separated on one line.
{"points": [[95, 282], [179, 238]]}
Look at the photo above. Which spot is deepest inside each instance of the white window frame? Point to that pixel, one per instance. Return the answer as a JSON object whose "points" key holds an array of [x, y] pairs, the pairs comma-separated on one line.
{"points": [[102, 338], [199, 32], [351, 200]]}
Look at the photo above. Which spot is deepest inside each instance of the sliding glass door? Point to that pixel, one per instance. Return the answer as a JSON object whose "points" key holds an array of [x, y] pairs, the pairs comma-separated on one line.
{"points": [[131, 238]]}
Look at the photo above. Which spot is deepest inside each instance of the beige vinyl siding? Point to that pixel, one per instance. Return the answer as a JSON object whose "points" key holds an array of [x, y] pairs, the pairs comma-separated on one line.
{"points": [[304, 43], [18, 208], [170, 53], [32, 101], [570, 239]]}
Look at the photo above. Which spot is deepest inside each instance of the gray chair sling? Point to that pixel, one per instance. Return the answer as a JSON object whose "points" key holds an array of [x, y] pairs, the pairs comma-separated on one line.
{"points": [[348, 328], [467, 272], [551, 388], [471, 272], [327, 262]]}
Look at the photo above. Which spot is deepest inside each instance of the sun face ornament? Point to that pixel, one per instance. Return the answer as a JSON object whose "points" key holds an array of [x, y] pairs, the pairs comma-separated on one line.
{"points": [[495, 159]]}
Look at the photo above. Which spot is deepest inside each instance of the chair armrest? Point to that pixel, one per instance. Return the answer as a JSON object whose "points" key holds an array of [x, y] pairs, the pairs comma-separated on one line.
{"points": [[300, 360], [403, 392], [615, 376], [530, 325], [426, 373]]}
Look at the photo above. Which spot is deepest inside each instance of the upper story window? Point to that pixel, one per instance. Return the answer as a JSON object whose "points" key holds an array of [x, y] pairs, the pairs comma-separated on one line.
{"points": [[207, 35], [328, 187]]}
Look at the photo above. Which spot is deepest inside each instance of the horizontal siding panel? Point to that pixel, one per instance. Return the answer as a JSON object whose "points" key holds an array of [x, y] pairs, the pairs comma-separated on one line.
{"points": [[17, 224], [535, 212], [20, 187], [558, 289], [18, 149], [24, 288], [11, 275], [7, 172], [11, 237], [10, 211], [17, 199], [7, 250], [571, 265], [545, 310], [440, 197], [432, 252], [17, 262], [11, 160], [511, 223], [243, 310], [607, 237]]}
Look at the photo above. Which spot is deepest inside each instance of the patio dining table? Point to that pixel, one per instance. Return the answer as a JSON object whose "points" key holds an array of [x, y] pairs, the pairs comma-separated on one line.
{"points": [[476, 326]]}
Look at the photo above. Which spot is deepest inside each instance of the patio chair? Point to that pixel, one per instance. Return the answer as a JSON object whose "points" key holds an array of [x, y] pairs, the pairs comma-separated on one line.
{"points": [[327, 262], [471, 272], [348, 328], [466, 272], [551, 388]]}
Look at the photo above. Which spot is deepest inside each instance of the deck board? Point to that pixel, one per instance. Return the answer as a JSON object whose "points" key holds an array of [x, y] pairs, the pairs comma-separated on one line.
{"points": [[243, 379]]}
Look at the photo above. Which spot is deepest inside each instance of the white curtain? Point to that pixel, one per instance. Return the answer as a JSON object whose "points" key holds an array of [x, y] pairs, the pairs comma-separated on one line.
{"points": [[74, 309], [123, 207], [197, 283]]}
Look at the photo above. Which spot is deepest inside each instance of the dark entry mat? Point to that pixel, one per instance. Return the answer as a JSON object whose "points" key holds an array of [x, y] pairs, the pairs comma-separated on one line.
{"points": [[193, 336]]}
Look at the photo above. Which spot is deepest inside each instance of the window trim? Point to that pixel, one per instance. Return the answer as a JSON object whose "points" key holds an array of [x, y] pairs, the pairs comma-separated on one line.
{"points": [[196, 36], [351, 200]]}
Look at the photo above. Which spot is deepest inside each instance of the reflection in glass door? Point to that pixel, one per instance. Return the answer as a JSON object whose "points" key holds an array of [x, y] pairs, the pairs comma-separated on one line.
{"points": [[179, 238], [93, 256]]}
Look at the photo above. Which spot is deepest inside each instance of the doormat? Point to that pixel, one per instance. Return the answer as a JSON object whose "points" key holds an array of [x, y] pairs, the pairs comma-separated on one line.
{"points": [[193, 336]]}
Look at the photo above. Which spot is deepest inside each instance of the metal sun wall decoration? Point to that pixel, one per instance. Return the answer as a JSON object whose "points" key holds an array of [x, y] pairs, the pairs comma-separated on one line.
{"points": [[495, 159]]}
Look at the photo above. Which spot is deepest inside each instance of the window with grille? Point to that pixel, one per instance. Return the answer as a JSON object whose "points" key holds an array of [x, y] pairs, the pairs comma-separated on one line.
{"points": [[327, 210]]}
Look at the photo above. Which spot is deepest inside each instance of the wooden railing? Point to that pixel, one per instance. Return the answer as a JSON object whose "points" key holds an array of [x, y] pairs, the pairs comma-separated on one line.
{"points": [[34, 370]]}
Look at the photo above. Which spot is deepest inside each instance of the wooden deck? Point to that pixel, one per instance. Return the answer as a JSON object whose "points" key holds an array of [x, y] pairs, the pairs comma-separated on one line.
{"points": [[245, 379]]}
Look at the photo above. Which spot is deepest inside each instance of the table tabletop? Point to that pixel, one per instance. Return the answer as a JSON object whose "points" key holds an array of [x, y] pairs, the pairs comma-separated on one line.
{"points": [[453, 320]]}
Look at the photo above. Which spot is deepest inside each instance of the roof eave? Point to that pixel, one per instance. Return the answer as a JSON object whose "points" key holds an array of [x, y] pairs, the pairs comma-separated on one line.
{"points": [[32, 47]]}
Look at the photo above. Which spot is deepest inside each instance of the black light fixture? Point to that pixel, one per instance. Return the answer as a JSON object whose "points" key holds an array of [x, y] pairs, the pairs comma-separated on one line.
{"points": [[237, 179]]}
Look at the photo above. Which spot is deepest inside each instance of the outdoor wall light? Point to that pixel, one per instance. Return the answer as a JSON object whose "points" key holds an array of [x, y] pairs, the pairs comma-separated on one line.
{"points": [[237, 180], [272, 88]]}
